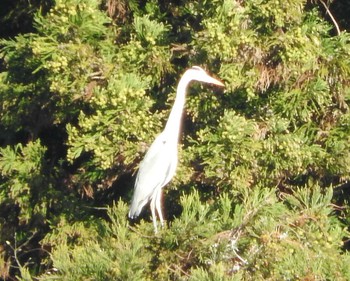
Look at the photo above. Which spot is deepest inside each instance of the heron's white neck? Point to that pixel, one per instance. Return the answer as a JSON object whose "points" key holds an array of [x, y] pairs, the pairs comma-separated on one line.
{"points": [[174, 122]]}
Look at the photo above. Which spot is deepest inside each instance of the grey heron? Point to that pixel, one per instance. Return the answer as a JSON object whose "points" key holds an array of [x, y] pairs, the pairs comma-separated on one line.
{"points": [[160, 162]]}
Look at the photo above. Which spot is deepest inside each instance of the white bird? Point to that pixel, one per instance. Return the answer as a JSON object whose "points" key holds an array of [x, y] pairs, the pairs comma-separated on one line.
{"points": [[160, 162]]}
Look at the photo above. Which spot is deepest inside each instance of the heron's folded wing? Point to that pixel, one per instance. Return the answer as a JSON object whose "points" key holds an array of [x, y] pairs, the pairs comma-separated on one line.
{"points": [[156, 170]]}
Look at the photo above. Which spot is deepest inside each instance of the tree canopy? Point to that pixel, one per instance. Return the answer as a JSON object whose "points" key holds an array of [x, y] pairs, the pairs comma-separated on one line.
{"points": [[261, 191]]}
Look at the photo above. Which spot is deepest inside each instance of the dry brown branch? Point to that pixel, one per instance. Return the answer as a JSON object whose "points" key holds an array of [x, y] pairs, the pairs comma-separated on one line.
{"points": [[331, 16]]}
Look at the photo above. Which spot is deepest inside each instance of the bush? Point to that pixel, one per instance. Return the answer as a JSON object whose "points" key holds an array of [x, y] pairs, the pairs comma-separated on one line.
{"points": [[260, 192]]}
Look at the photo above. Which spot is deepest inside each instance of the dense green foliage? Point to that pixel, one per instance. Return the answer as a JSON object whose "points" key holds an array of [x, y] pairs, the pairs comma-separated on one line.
{"points": [[261, 188]]}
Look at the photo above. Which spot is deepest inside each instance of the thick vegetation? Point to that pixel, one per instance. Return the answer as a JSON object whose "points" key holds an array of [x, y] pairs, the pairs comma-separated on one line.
{"points": [[261, 192]]}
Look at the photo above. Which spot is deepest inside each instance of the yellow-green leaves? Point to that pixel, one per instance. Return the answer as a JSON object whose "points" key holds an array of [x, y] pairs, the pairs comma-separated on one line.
{"points": [[146, 47], [82, 96], [22, 167], [229, 151], [74, 19], [121, 119]]}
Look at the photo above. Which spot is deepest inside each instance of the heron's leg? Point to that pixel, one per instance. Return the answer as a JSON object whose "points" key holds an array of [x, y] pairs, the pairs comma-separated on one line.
{"points": [[159, 207], [153, 211]]}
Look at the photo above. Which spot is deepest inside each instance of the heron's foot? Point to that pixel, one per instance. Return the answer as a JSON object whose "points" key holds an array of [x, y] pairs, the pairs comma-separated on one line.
{"points": [[162, 226]]}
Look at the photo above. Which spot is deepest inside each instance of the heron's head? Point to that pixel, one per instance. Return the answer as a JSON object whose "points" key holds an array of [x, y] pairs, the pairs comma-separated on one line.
{"points": [[199, 74]]}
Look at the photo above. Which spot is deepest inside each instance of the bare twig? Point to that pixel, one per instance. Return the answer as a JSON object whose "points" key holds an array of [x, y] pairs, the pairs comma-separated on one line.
{"points": [[331, 16], [179, 268]]}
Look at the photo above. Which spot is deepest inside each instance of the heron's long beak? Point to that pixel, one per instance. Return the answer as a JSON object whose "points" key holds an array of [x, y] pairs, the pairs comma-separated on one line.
{"points": [[214, 81]]}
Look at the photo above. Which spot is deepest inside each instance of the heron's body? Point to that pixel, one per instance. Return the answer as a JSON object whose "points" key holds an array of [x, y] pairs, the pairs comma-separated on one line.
{"points": [[160, 162]]}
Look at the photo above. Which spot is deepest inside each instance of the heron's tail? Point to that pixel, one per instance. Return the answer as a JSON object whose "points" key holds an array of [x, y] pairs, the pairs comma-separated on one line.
{"points": [[136, 208]]}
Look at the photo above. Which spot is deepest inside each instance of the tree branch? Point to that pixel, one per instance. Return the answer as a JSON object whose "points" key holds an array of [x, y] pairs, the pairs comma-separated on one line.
{"points": [[332, 18]]}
